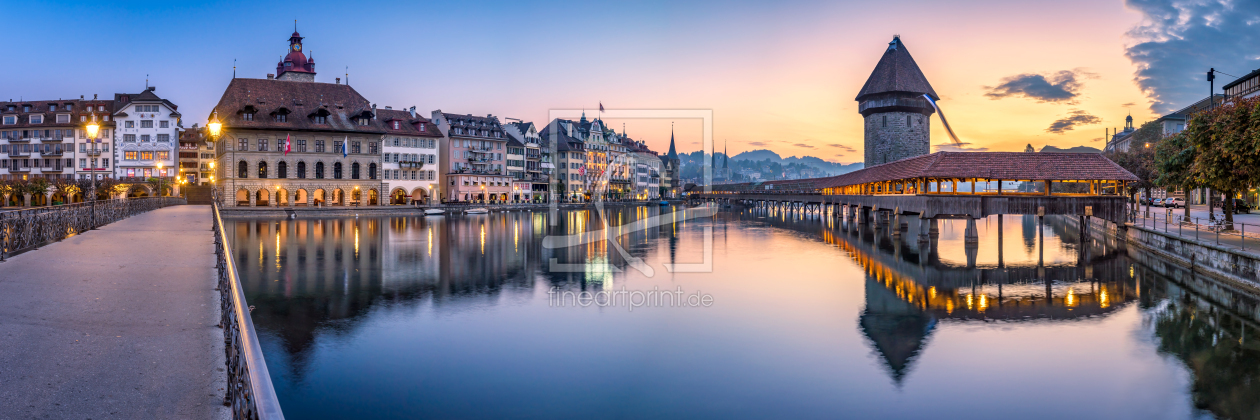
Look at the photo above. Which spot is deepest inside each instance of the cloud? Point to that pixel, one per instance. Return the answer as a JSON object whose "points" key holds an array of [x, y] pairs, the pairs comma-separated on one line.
{"points": [[1178, 40], [1063, 86], [1127, 104], [1075, 117], [951, 147], [803, 145], [842, 147], [1097, 139], [757, 143]]}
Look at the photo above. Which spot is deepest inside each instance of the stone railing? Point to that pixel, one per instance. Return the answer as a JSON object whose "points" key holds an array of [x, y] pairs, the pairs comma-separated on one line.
{"points": [[250, 393], [24, 230]]}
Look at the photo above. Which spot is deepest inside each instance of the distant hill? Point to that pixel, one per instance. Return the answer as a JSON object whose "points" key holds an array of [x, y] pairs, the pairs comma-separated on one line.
{"points": [[1077, 149], [835, 168]]}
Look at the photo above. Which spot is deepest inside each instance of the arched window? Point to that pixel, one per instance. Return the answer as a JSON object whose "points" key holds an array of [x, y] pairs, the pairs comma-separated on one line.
{"points": [[282, 170], [354, 170], [372, 170], [337, 170], [301, 170], [262, 170], [242, 169], [319, 170]]}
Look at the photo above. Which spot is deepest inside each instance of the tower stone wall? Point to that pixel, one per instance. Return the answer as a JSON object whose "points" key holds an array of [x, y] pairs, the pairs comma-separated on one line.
{"points": [[892, 136]]}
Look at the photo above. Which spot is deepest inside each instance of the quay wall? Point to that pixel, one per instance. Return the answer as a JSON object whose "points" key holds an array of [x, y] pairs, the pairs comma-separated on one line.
{"points": [[1226, 275], [339, 211]]}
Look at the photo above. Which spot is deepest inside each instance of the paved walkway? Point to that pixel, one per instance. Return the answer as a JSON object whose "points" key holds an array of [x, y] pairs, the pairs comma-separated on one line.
{"points": [[115, 323]]}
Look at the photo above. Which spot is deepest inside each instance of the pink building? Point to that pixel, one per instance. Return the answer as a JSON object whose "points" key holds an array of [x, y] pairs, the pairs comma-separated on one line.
{"points": [[473, 161]]}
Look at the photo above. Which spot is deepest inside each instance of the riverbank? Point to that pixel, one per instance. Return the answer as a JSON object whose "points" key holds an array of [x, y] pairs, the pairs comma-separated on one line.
{"points": [[1195, 251], [335, 211]]}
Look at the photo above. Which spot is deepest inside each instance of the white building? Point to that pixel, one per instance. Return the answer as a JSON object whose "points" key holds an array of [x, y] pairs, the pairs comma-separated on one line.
{"points": [[411, 171], [146, 136], [93, 155]]}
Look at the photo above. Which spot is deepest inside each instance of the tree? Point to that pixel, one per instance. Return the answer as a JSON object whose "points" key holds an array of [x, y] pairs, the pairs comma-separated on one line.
{"points": [[1174, 157], [1139, 160], [1226, 142]]}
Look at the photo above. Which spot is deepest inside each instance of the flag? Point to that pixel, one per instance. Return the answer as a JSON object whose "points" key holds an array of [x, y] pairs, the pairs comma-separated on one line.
{"points": [[288, 145], [345, 147], [601, 106]]}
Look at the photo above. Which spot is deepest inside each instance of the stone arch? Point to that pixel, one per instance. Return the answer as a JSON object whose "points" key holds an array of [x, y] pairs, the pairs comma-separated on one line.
{"points": [[262, 169], [338, 197], [372, 170], [374, 197], [398, 196], [300, 197], [319, 197], [242, 197], [356, 196], [242, 169], [282, 197], [139, 190], [420, 194], [262, 198]]}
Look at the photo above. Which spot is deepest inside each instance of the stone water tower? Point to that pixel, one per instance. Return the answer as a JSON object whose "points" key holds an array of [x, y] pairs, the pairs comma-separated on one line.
{"points": [[897, 118]]}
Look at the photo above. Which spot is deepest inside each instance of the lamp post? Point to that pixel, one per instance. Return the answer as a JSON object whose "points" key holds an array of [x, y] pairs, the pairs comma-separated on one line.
{"points": [[216, 129], [92, 129], [159, 167]]}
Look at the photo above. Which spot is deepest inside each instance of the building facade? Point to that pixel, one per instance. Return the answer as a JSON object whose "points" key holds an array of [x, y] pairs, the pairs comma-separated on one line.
{"points": [[411, 141], [146, 136], [474, 159], [538, 165], [292, 141]]}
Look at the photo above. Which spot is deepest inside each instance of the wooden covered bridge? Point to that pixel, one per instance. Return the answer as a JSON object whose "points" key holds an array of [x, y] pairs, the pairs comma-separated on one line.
{"points": [[952, 185]]}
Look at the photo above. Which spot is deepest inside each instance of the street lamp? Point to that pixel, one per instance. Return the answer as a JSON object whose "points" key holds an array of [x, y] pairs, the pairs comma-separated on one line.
{"points": [[159, 168], [92, 130]]}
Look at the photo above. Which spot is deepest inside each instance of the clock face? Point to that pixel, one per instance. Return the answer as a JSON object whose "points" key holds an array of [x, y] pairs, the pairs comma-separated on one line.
{"points": [[297, 47]]}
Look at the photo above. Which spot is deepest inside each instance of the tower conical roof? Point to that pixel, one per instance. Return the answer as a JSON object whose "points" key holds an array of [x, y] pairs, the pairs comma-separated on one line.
{"points": [[897, 72]]}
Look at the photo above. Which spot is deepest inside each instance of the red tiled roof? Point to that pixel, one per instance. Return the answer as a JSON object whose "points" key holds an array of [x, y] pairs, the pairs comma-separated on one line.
{"points": [[989, 165], [302, 100], [408, 125], [896, 72]]}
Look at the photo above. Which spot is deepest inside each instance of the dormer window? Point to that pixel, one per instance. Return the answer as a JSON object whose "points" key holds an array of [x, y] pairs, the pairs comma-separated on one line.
{"points": [[280, 118], [37, 119], [421, 126], [397, 125], [248, 116], [320, 119], [69, 107], [363, 121], [26, 108], [52, 108]]}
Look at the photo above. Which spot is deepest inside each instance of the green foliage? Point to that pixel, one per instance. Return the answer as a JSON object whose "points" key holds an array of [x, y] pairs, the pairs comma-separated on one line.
{"points": [[1227, 145]]}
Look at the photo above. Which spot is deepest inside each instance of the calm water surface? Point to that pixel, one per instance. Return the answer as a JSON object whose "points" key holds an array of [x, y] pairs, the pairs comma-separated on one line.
{"points": [[415, 317]]}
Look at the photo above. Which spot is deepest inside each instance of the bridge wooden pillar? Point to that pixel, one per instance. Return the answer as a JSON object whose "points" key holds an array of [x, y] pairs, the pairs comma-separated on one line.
{"points": [[971, 236]]}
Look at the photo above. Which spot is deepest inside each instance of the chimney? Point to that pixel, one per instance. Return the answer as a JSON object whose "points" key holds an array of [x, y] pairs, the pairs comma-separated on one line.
{"points": [[152, 88], [271, 76], [93, 97], [339, 80], [374, 111], [412, 111], [388, 107]]}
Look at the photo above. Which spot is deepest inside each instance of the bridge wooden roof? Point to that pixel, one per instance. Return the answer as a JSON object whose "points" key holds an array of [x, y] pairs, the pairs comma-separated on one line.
{"points": [[988, 165]]}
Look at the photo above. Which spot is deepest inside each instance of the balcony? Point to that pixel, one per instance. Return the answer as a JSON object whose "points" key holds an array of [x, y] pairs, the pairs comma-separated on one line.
{"points": [[18, 139], [410, 165], [14, 152], [50, 139], [93, 152], [55, 151], [20, 169]]}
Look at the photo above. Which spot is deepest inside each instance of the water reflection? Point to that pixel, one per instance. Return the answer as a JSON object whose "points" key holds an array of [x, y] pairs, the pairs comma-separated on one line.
{"points": [[318, 284]]}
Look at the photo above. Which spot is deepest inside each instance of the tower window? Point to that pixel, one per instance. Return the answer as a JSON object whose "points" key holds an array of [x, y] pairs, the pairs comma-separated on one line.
{"points": [[885, 123], [907, 121]]}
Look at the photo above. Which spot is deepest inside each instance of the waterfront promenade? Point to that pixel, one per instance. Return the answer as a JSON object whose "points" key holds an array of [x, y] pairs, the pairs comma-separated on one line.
{"points": [[118, 322]]}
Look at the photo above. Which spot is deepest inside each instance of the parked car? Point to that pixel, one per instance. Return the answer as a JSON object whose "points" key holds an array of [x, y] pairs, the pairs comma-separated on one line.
{"points": [[1168, 202], [1176, 202], [1144, 201]]}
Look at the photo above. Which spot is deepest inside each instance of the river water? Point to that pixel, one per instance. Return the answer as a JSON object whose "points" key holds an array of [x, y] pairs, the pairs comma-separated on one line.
{"points": [[771, 315]]}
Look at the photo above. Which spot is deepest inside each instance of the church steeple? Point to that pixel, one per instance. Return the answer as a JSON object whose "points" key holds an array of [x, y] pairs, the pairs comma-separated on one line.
{"points": [[295, 66], [673, 155]]}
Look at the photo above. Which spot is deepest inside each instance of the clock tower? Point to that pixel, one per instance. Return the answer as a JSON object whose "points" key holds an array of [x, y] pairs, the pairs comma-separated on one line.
{"points": [[296, 66]]}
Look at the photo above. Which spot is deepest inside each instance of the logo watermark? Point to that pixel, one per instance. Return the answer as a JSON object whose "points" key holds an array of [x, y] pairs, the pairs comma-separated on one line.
{"points": [[629, 299], [597, 183]]}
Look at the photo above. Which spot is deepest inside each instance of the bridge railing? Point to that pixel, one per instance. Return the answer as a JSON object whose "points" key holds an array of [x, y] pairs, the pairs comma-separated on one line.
{"points": [[1211, 230], [250, 393], [26, 229]]}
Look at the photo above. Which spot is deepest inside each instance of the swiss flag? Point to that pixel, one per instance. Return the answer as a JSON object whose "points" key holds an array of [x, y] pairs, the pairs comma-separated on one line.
{"points": [[288, 145]]}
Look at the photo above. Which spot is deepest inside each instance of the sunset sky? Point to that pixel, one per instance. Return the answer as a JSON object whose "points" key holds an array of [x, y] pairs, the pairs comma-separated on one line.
{"points": [[779, 75]]}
